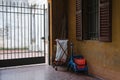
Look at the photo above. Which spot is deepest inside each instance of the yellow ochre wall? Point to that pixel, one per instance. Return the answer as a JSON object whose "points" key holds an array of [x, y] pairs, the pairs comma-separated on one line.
{"points": [[103, 58]]}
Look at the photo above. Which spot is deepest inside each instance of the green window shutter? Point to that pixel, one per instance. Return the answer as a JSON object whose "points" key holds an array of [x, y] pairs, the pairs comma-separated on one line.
{"points": [[79, 19], [105, 30]]}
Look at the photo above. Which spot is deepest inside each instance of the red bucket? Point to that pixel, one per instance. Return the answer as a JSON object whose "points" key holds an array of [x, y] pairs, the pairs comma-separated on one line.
{"points": [[80, 62]]}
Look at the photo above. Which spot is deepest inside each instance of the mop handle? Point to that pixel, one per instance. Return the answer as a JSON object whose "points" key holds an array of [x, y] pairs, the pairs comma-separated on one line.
{"points": [[71, 45]]}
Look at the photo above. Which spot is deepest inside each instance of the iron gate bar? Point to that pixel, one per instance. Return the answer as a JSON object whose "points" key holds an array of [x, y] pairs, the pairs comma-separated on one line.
{"points": [[20, 13], [21, 7], [24, 31], [11, 29], [14, 31], [44, 30], [28, 29], [6, 30], [41, 31], [40, 17], [31, 29], [10, 26], [38, 30], [18, 29], [23, 61], [21, 32], [3, 28], [34, 29]]}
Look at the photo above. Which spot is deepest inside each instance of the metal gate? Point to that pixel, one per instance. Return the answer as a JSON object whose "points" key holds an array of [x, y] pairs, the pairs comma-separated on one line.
{"points": [[22, 34]]}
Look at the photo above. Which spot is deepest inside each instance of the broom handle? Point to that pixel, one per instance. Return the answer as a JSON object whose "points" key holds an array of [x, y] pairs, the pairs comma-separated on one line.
{"points": [[71, 44]]}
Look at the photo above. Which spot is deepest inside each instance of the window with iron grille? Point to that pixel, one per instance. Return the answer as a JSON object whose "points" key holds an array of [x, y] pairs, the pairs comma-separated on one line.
{"points": [[94, 20], [90, 10]]}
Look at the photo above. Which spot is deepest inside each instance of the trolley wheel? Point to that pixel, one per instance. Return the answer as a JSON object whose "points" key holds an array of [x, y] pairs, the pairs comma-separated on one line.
{"points": [[53, 66], [56, 69], [68, 69], [86, 73]]}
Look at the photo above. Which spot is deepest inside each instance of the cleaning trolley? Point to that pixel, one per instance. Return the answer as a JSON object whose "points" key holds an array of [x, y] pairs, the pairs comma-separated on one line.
{"points": [[61, 53], [77, 63]]}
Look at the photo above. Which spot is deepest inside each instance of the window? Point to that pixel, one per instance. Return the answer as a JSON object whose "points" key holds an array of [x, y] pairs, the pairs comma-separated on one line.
{"points": [[93, 20]]}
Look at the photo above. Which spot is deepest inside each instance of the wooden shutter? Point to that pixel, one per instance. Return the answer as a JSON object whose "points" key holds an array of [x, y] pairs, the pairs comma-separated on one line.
{"points": [[105, 33], [79, 19]]}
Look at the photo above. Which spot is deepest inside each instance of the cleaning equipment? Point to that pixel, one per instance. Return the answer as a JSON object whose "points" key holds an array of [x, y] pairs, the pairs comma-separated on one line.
{"points": [[61, 53], [77, 63]]}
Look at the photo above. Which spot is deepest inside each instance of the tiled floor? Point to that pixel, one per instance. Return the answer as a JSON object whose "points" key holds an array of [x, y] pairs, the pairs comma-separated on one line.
{"points": [[40, 72]]}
